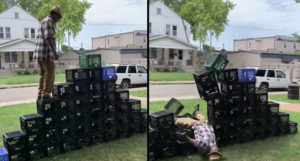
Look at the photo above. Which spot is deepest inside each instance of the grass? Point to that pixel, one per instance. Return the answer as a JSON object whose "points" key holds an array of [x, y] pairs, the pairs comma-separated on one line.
{"points": [[133, 148], [282, 98], [28, 79], [139, 93], [171, 76], [280, 148]]}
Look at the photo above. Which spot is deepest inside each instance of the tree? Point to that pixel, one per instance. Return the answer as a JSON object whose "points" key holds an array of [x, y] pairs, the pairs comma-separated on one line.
{"points": [[3, 5], [65, 48], [297, 1], [207, 48], [295, 35], [72, 17], [207, 17]]}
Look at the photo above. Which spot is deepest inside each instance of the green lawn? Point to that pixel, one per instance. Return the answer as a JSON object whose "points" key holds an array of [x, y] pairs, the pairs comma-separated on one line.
{"points": [[171, 76], [280, 148], [133, 148], [27, 79], [139, 93], [282, 98]]}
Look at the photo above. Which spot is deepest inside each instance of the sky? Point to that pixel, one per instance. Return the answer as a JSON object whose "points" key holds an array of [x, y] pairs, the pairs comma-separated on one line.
{"points": [[259, 18], [111, 17]]}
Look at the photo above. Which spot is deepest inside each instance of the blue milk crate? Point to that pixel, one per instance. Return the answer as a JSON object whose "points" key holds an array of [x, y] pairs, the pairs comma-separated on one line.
{"points": [[108, 73], [246, 75], [3, 154]]}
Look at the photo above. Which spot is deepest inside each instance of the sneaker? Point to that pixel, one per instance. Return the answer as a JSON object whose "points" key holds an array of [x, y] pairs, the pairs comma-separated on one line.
{"points": [[196, 109]]}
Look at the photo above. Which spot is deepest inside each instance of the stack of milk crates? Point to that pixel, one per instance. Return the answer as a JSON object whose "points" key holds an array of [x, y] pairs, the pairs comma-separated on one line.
{"points": [[237, 110], [86, 110]]}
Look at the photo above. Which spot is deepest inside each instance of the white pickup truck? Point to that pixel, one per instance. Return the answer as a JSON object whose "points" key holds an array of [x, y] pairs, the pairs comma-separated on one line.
{"points": [[271, 78], [130, 74]]}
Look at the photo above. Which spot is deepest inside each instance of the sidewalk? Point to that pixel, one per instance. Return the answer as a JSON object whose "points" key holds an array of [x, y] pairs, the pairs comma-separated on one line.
{"points": [[170, 82]]}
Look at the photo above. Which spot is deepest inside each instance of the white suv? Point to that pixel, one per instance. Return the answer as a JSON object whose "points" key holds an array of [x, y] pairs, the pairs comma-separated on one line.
{"points": [[271, 78], [130, 74]]}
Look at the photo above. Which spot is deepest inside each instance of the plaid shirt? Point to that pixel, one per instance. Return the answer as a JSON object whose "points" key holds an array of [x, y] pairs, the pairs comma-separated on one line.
{"points": [[204, 137], [42, 50]]}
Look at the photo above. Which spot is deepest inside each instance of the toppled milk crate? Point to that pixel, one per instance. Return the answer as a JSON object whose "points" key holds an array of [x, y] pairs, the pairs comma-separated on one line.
{"points": [[75, 75], [206, 84], [90, 61], [174, 106], [162, 119], [62, 90], [3, 154], [108, 73], [293, 127], [31, 123], [216, 62]]}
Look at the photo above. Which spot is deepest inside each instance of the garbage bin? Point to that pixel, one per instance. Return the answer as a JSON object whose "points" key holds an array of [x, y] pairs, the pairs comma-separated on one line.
{"points": [[293, 91]]}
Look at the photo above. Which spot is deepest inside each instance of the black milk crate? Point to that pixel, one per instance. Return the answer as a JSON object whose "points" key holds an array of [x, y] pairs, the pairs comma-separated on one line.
{"points": [[232, 88], [52, 150], [249, 100], [231, 75], [65, 119], [144, 121], [110, 98], [76, 75], [34, 139], [122, 95], [125, 131], [261, 132], [31, 123], [261, 97], [97, 114], [248, 111], [83, 88], [96, 74], [284, 129], [248, 87], [161, 119], [186, 149], [174, 106], [123, 107], [263, 110], [124, 119], [273, 120], [215, 114], [293, 127], [109, 86], [51, 137], [68, 145], [247, 135], [18, 156], [134, 105], [63, 90], [214, 101], [168, 149], [273, 107], [96, 88], [36, 152], [206, 84], [248, 123], [81, 102], [65, 104], [283, 118], [46, 106], [110, 109], [110, 135], [14, 141], [50, 122], [96, 100], [97, 138], [111, 122]]}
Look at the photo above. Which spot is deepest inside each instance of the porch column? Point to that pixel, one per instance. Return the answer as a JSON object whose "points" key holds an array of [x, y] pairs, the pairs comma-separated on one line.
{"points": [[166, 56], [26, 60]]}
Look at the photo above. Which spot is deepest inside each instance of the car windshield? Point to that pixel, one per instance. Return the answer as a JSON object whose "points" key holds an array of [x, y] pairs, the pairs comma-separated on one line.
{"points": [[121, 69], [260, 73]]}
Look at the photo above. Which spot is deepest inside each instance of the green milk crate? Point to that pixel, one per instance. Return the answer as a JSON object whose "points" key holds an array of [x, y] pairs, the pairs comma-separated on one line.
{"points": [[216, 62], [90, 61]]}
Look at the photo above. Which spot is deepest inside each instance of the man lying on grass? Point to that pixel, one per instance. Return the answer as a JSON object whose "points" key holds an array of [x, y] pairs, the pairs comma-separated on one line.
{"points": [[205, 140]]}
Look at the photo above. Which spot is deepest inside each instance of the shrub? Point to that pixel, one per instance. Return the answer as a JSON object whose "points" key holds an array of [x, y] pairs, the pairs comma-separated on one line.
{"points": [[166, 69], [35, 71], [26, 72], [19, 72]]}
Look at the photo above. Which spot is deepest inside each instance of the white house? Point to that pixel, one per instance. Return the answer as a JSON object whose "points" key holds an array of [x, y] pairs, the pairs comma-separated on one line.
{"points": [[170, 37], [18, 32]]}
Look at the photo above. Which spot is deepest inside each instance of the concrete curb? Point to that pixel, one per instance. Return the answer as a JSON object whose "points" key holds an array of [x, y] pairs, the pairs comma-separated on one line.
{"points": [[18, 86], [170, 82]]}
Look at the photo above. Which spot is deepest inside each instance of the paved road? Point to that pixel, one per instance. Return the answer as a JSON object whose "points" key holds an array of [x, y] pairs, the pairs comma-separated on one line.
{"points": [[182, 91], [26, 94]]}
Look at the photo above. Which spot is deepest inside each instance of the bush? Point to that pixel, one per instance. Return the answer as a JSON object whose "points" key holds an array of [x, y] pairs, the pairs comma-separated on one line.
{"points": [[26, 72], [166, 69], [35, 71], [19, 72]]}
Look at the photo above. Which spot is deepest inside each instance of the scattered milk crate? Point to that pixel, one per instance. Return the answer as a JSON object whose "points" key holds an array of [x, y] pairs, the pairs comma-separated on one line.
{"points": [[90, 61]]}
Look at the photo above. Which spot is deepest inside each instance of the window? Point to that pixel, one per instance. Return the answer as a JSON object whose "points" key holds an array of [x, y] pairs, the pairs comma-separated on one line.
{"points": [[30, 56], [174, 30], [257, 40], [7, 32], [16, 15], [284, 44], [180, 55], [7, 57], [26, 33], [158, 11], [32, 33], [121, 69], [144, 38], [249, 44], [271, 73], [150, 26], [260, 73], [14, 57], [108, 41], [171, 54], [132, 69], [168, 29], [1, 33], [141, 69], [154, 53], [294, 45], [280, 74]]}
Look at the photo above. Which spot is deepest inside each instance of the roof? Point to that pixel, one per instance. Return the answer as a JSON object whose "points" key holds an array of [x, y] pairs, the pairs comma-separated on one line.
{"points": [[262, 52], [155, 37], [282, 37], [19, 8], [134, 31], [14, 41], [82, 51]]}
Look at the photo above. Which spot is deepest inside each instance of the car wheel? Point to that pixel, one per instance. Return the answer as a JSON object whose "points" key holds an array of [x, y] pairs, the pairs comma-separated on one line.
{"points": [[264, 87], [125, 84]]}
